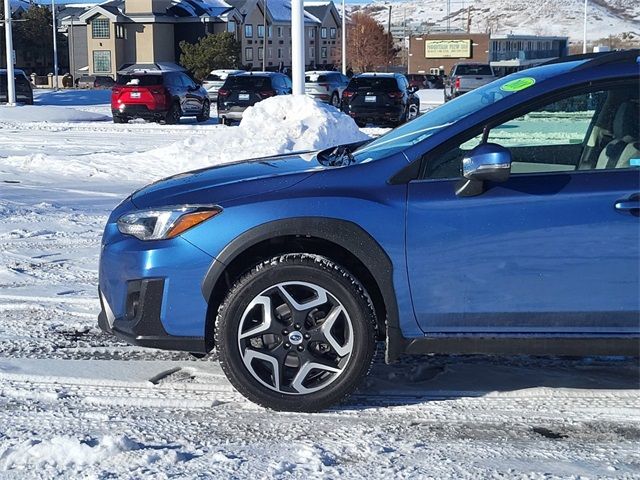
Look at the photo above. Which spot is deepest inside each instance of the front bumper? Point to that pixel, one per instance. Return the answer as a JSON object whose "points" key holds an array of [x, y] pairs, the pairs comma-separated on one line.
{"points": [[233, 113], [150, 292]]}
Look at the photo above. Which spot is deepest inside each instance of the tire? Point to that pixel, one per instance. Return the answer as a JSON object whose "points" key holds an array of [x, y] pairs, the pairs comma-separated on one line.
{"points": [[298, 337], [206, 112], [173, 115], [335, 100], [119, 119], [361, 124]]}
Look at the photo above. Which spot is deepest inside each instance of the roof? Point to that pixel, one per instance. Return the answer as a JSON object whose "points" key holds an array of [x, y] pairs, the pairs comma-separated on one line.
{"points": [[178, 10], [376, 74], [257, 74], [280, 11]]}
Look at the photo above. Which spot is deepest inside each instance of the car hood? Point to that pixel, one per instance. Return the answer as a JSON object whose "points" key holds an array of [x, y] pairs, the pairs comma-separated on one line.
{"points": [[230, 181]]}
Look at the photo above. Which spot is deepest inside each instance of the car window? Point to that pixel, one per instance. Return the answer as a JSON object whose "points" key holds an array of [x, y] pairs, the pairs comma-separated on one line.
{"points": [[316, 78], [597, 129], [375, 83], [186, 80], [247, 82], [138, 80], [473, 70], [287, 82]]}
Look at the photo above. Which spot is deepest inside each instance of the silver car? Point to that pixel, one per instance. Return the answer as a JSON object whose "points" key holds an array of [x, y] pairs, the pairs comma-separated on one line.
{"points": [[326, 86], [215, 80]]}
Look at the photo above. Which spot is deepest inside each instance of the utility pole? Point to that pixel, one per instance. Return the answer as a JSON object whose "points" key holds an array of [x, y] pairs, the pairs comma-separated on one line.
{"points": [[11, 79], [344, 39], [448, 15], [264, 40], [297, 46], [55, 46], [584, 32], [72, 60]]}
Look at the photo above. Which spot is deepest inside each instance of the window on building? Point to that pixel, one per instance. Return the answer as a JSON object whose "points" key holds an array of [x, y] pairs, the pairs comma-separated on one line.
{"points": [[333, 52], [280, 32], [260, 31], [279, 53], [311, 52], [231, 26], [248, 31], [332, 32], [312, 33], [100, 28], [248, 54], [323, 32], [269, 31], [260, 53], [323, 52], [120, 31], [102, 61], [269, 52]]}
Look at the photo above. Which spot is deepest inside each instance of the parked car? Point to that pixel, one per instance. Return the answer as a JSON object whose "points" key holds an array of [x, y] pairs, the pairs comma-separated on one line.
{"points": [[326, 86], [24, 90], [380, 98], [215, 80], [95, 81], [465, 77], [434, 81], [246, 89], [162, 93], [416, 81], [473, 229]]}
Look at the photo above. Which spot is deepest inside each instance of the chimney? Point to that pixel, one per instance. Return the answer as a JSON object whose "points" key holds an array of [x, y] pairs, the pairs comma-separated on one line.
{"points": [[146, 7]]}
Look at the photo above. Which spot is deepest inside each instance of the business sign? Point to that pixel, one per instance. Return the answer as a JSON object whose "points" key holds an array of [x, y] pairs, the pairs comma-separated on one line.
{"points": [[447, 48]]}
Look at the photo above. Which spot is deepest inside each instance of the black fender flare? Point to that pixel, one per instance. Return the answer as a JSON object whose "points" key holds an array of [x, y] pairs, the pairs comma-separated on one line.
{"points": [[347, 235]]}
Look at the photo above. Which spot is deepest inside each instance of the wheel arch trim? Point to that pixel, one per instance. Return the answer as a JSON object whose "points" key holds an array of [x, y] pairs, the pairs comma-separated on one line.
{"points": [[344, 233]]}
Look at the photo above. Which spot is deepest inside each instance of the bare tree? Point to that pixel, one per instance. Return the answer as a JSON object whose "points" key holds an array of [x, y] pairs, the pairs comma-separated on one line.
{"points": [[369, 47]]}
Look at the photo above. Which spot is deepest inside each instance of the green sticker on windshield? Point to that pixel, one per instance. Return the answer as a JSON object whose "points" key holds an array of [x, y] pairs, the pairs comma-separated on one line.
{"points": [[518, 84]]}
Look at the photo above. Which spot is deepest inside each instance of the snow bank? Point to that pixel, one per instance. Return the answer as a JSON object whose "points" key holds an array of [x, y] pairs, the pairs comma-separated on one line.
{"points": [[40, 113], [277, 125], [64, 452], [274, 126]]}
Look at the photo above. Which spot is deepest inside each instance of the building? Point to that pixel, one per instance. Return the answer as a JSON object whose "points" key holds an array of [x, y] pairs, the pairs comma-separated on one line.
{"points": [[105, 37], [123, 32], [437, 53]]}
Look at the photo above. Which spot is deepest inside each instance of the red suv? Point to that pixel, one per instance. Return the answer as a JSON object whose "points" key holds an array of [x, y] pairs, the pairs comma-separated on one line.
{"points": [[158, 95]]}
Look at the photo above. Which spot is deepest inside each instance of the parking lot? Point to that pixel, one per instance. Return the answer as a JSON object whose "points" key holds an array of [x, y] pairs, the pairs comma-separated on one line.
{"points": [[74, 401]]}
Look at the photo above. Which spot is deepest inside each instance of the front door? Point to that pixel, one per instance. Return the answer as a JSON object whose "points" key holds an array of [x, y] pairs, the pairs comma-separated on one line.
{"points": [[556, 248]]}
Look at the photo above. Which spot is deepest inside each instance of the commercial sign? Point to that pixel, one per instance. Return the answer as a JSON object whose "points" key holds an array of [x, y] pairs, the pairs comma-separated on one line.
{"points": [[447, 48]]}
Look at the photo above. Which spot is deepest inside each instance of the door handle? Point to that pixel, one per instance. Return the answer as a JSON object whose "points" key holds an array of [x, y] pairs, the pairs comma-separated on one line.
{"points": [[631, 205]]}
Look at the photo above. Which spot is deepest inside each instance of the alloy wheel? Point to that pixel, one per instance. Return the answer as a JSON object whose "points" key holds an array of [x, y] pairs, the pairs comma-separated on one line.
{"points": [[295, 338]]}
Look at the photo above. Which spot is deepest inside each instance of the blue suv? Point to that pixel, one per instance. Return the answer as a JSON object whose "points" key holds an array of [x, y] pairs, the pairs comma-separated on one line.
{"points": [[503, 222]]}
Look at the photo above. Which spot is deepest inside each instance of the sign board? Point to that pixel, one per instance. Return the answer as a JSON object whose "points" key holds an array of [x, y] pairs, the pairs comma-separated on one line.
{"points": [[447, 48]]}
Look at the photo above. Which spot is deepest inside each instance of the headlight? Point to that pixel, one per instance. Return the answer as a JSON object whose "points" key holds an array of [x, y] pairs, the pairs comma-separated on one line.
{"points": [[167, 222]]}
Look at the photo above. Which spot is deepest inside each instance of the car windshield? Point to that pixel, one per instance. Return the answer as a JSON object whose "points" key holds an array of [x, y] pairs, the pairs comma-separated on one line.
{"points": [[473, 70], [451, 112]]}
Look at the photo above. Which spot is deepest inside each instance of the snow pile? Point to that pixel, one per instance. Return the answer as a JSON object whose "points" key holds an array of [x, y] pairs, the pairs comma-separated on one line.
{"points": [[64, 452], [39, 113], [281, 124]]}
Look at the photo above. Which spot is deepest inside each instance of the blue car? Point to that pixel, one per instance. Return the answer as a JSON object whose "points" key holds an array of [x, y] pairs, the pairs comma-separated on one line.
{"points": [[503, 222]]}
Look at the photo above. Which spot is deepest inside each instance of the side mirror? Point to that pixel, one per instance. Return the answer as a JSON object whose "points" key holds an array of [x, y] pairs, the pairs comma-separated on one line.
{"points": [[487, 162]]}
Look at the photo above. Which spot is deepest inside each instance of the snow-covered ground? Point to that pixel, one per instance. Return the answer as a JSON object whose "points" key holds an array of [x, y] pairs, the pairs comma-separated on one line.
{"points": [[75, 403]]}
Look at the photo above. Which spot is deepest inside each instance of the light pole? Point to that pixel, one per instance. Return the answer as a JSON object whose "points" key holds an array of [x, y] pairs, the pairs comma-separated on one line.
{"points": [[297, 46], [344, 40], [55, 46], [11, 79], [264, 39], [584, 31]]}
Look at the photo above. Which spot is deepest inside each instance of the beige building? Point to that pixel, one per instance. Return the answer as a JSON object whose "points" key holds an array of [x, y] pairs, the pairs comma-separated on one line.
{"points": [[124, 32]]}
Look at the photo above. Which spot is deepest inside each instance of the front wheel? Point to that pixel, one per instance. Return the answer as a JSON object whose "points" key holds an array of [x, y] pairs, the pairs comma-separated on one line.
{"points": [[296, 333]]}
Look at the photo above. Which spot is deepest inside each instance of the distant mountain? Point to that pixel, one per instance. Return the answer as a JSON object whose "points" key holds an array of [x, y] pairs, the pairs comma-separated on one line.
{"points": [[542, 17]]}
